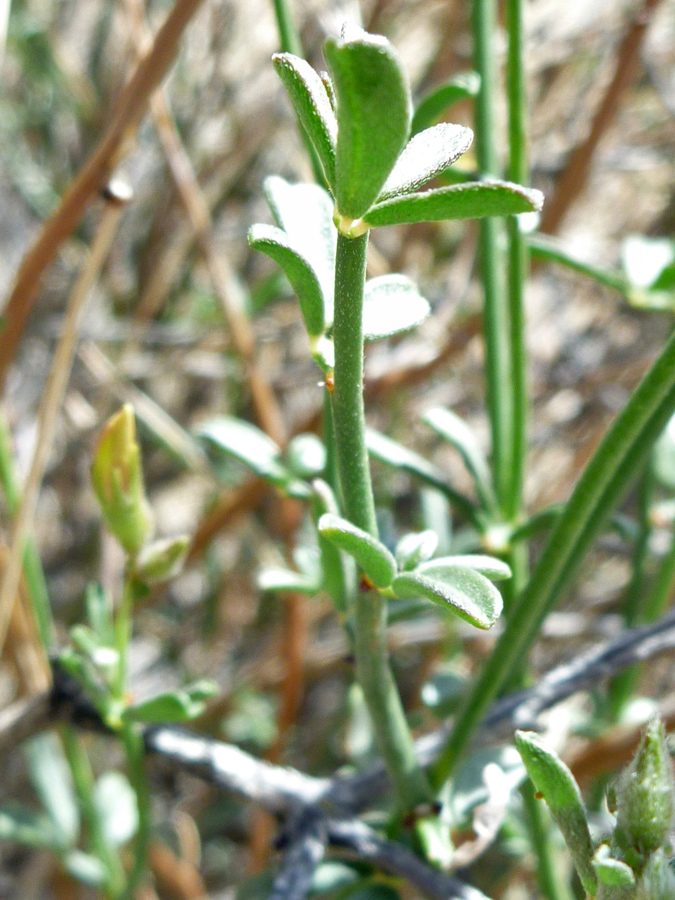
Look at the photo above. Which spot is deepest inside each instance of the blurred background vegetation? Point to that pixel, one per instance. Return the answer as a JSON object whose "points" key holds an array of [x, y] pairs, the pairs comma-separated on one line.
{"points": [[158, 333]]}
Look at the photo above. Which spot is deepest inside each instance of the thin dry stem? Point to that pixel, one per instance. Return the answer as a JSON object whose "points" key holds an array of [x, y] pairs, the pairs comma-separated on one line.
{"points": [[575, 175], [91, 178], [50, 408]]}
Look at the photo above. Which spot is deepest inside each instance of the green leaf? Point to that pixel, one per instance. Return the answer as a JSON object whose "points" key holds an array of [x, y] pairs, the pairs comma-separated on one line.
{"points": [[465, 592], [555, 782], [24, 826], [86, 868], [609, 871], [394, 454], [305, 213], [391, 306], [101, 654], [468, 789], [338, 570], [312, 106], [473, 200], [273, 242], [252, 447], [415, 548], [426, 155], [442, 693], [456, 432], [373, 114], [174, 706], [306, 456], [372, 556], [491, 568], [117, 807], [275, 578], [50, 776], [462, 87]]}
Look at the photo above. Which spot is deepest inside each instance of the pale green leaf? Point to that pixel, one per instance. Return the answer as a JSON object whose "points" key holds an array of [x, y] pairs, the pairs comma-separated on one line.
{"points": [[117, 808], [612, 872], [276, 578], [373, 113], [415, 548], [22, 825], [273, 242], [372, 556], [465, 592], [552, 778], [50, 775], [86, 868], [491, 568], [472, 200], [312, 106], [392, 305], [425, 156], [173, 706]]}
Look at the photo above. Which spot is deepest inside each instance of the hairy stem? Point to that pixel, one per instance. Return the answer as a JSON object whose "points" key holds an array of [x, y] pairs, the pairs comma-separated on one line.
{"points": [[372, 666]]}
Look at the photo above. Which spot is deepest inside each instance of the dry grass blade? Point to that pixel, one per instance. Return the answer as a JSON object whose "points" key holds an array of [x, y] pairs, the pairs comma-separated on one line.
{"points": [[91, 178]]}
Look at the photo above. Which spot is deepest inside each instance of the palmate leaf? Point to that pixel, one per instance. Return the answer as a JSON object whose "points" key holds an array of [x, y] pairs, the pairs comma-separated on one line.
{"points": [[392, 305], [373, 113], [312, 106], [303, 279], [474, 200], [463, 591], [425, 156], [372, 556]]}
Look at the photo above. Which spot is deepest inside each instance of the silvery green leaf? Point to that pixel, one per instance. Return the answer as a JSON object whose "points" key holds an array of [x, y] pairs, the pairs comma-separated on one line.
{"points": [[391, 305], [51, 777], [465, 592], [274, 242], [85, 868], [609, 871], [415, 548], [117, 808], [276, 578], [305, 213], [425, 156], [312, 107], [552, 778], [22, 825], [306, 456], [491, 568], [373, 113], [372, 556], [473, 200]]}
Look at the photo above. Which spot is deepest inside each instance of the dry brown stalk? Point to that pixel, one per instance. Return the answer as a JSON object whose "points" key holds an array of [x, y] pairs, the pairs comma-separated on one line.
{"points": [[91, 178], [574, 177]]}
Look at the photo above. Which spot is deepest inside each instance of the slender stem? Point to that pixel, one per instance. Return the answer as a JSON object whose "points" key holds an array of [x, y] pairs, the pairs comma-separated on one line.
{"points": [[548, 249], [599, 490], [83, 779], [135, 752], [289, 37], [496, 316], [549, 881], [373, 671]]}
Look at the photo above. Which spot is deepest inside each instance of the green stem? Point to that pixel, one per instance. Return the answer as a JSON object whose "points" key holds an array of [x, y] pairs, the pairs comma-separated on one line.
{"points": [[539, 828], [549, 249], [135, 752], [497, 326], [518, 263], [372, 665], [83, 779], [599, 490]]}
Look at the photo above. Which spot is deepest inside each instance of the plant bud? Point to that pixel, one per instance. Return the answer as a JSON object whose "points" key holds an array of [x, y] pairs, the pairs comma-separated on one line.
{"points": [[161, 560], [645, 797], [117, 479]]}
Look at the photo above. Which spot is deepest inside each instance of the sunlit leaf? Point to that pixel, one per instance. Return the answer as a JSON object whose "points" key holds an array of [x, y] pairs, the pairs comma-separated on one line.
{"points": [[415, 548], [51, 777], [275, 578], [552, 778], [392, 305], [425, 156], [312, 107], [491, 568], [465, 592], [117, 808], [472, 200], [372, 556], [373, 113], [173, 706]]}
